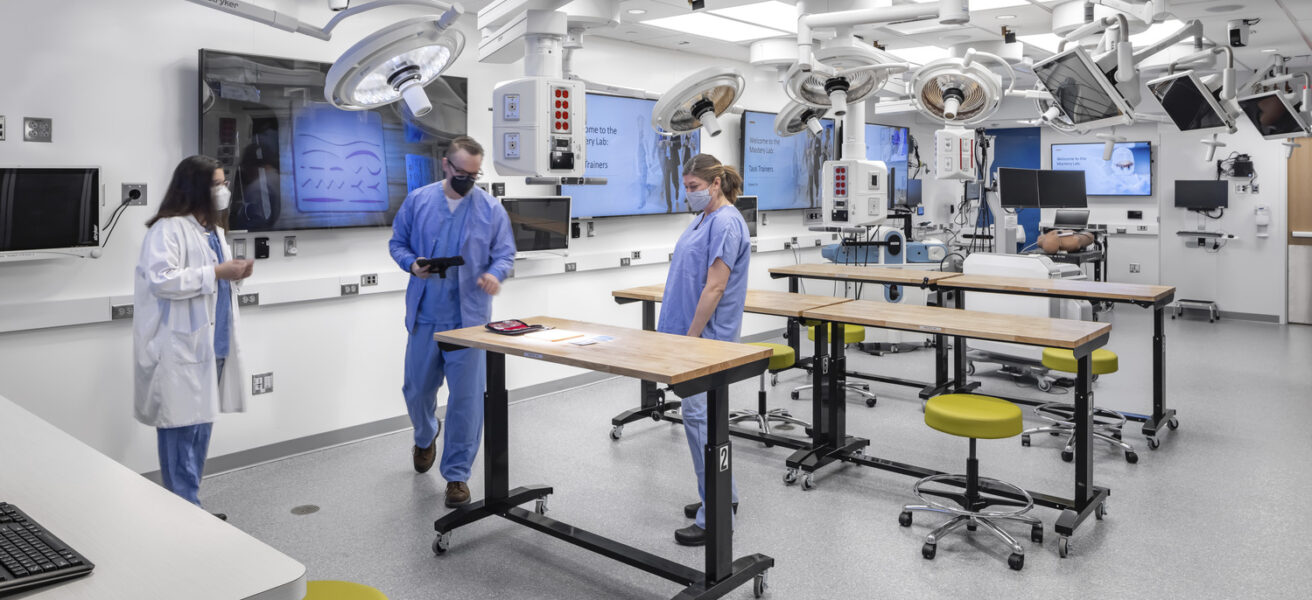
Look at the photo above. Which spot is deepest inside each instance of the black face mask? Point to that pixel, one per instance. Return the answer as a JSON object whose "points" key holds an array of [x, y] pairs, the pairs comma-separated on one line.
{"points": [[461, 184]]}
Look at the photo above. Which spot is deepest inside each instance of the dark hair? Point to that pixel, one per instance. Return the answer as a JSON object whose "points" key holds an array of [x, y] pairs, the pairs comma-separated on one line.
{"points": [[189, 192], [466, 143], [708, 168]]}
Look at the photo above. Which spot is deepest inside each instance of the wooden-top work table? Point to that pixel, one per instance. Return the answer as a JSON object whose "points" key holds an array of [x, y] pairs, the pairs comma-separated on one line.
{"points": [[831, 442], [688, 366], [145, 541], [762, 302], [1156, 297]]}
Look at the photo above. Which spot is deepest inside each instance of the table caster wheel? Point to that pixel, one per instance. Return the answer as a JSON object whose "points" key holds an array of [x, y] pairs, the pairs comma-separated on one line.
{"points": [[759, 585], [616, 432], [540, 506], [1025, 440], [1064, 546], [904, 519], [1101, 511], [1016, 562], [1131, 457], [1153, 443], [656, 415], [970, 368], [1173, 423], [442, 543], [808, 482], [928, 550], [790, 476], [871, 402], [1036, 534], [774, 379], [1043, 384], [1067, 455]]}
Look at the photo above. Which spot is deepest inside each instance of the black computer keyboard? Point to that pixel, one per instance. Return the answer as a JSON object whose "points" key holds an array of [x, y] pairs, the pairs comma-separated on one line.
{"points": [[31, 557]]}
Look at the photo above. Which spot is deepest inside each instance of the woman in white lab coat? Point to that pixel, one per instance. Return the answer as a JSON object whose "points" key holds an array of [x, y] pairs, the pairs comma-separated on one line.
{"points": [[184, 331]]}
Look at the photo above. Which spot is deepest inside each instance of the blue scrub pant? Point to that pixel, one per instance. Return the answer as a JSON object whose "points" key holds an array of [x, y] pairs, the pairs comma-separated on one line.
{"points": [[694, 426], [465, 371], [182, 452]]}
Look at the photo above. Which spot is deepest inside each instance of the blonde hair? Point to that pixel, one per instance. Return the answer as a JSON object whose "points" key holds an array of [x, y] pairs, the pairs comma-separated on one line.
{"points": [[709, 168]]}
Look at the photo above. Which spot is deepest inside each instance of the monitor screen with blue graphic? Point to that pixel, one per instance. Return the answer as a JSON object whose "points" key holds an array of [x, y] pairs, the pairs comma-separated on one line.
{"points": [[784, 172], [1128, 173], [643, 169], [297, 162], [889, 144]]}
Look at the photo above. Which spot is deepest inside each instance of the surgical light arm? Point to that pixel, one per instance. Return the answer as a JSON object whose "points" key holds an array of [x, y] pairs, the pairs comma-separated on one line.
{"points": [[1124, 51], [950, 12], [259, 14], [1149, 11]]}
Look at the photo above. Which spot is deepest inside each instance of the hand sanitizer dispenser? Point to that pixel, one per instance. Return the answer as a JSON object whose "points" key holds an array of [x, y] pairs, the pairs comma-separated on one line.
{"points": [[1263, 221]]}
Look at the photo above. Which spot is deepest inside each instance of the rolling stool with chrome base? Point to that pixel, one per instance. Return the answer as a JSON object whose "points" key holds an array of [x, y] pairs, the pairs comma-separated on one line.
{"points": [[852, 334], [975, 417], [782, 359], [1107, 424], [341, 590]]}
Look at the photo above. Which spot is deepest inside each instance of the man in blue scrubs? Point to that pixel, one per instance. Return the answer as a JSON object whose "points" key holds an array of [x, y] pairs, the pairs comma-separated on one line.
{"points": [[450, 218]]}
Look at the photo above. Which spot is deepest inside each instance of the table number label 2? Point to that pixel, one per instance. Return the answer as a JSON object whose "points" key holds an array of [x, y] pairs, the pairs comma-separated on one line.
{"points": [[724, 458]]}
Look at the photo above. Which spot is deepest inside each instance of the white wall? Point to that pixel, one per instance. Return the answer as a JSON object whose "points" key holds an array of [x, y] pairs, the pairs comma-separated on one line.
{"points": [[119, 80]]}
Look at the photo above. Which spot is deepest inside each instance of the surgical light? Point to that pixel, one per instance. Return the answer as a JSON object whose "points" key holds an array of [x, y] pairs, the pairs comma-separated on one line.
{"points": [[698, 101], [959, 91], [395, 63], [796, 118], [849, 73]]}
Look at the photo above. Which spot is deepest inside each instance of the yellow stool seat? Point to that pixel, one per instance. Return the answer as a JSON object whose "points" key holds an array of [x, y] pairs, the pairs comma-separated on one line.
{"points": [[852, 334], [341, 590], [1057, 359], [973, 416], [783, 356]]}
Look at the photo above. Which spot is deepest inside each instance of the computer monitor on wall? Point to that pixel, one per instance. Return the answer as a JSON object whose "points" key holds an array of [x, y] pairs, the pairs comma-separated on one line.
{"points": [[539, 224]]}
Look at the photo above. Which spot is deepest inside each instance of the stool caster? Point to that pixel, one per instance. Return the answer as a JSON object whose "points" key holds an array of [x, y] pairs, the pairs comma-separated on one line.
{"points": [[760, 585], [794, 395], [871, 401], [442, 543], [616, 432], [540, 506], [1043, 384], [1064, 546], [790, 476], [1016, 562], [904, 519], [1025, 440], [1068, 455], [1036, 534], [1131, 457], [928, 551]]}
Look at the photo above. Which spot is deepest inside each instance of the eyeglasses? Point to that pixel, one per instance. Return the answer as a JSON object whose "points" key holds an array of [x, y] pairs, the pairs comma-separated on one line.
{"points": [[460, 172]]}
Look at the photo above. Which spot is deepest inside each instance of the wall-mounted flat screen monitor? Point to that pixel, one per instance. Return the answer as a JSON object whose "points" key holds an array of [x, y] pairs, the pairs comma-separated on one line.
{"points": [[1081, 90], [1202, 194], [747, 205], [1018, 188], [1273, 116], [890, 145], [643, 170], [1191, 105], [914, 189], [540, 223], [1062, 189], [297, 162], [49, 209], [784, 172], [1128, 173]]}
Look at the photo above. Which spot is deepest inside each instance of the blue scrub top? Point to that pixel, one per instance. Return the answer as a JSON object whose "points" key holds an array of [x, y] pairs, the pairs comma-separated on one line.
{"points": [[222, 304], [440, 303], [723, 235]]}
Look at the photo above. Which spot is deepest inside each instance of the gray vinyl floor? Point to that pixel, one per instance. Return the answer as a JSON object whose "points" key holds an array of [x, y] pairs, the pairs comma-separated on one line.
{"points": [[1220, 511]]}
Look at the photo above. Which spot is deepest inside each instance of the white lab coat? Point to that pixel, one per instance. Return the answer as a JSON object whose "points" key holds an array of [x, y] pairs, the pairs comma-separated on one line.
{"points": [[176, 378]]}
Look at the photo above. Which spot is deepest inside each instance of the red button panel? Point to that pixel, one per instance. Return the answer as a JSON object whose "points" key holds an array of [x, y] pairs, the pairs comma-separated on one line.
{"points": [[563, 116]]}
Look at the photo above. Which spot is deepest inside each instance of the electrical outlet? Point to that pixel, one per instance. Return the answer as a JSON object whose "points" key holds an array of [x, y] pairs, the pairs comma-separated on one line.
{"points": [[248, 299], [1241, 188], [134, 194], [624, 262], [1134, 267], [38, 130], [239, 248], [289, 246], [753, 246], [369, 279], [120, 311], [571, 267], [1254, 188], [788, 245], [2, 129], [350, 289], [637, 255], [261, 383], [817, 243]]}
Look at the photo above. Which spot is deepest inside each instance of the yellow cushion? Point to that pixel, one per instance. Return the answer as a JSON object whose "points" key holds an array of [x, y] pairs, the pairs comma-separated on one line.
{"points": [[973, 416], [783, 356], [852, 334], [341, 590], [1104, 361]]}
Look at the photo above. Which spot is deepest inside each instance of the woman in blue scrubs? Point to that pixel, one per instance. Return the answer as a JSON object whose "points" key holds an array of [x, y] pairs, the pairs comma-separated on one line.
{"points": [[704, 296]]}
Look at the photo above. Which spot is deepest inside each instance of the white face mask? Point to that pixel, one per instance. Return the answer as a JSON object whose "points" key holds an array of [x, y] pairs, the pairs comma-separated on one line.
{"points": [[699, 199], [221, 194]]}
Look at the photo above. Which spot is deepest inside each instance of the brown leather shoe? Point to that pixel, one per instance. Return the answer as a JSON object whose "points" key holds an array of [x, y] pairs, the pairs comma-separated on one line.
{"points": [[457, 494], [424, 457]]}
